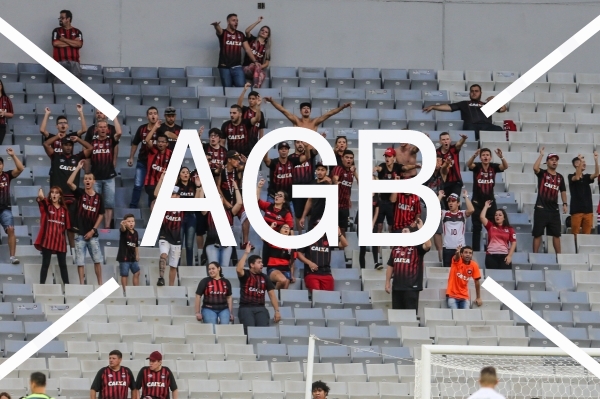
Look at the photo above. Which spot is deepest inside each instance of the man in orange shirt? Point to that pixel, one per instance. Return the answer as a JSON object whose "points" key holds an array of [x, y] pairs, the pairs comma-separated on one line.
{"points": [[462, 269]]}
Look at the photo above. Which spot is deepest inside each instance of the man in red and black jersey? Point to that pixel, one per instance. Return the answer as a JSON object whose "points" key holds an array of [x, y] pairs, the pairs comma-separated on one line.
{"points": [[90, 211], [62, 126], [158, 161], [451, 152], [142, 135], [155, 380], [216, 154], [254, 284], [315, 207], [256, 133], [231, 42], [92, 132], [303, 173], [102, 157], [484, 180], [67, 41], [128, 255], [546, 215], [238, 130], [407, 210], [6, 217], [317, 263], [344, 177], [114, 381], [170, 129], [405, 267]]}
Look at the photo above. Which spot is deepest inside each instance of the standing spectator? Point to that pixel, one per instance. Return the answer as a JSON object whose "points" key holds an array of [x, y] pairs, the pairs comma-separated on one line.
{"points": [[231, 42], [6, 216], [103, 166], [37, 386], [62, 126], [582, 207], [546, 215], [261, 50], [54, 222], [92, 132], [406, 155], [276, 214], [487, 382], [170, 129], [280, 262], [470, 112], [451, 152], [405, 267], [454, 222], [6, 111], [502, 240], [90, 213], [238, 131], [344, 177], [256, 133], [303, 159], [128, 255], [484, 180], [363, 249], [216, 154], [155, 380], [463, 268], [341, 145], [217, 306], [407, 210], [315, 207], [254, 285], [187, 189], [158, 161], [305, 109], [114, 381], [67, 41], [436, 184], [143, 134], [317, 263]]}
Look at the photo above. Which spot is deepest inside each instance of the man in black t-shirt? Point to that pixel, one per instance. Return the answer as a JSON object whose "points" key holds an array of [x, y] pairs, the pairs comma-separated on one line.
{"points": [[317, 263], [114, 381], [405, 267], [256, 133], [470, 111], [6, 216], [315, 207], [582, 207], [546, 215], [281, 169], [254, 284], [484, 180], [128, 255], [169, 128], [156, 380], [238, 130]]}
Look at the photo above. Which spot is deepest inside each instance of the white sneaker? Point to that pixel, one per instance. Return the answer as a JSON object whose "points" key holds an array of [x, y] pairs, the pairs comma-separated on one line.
{"points": [[14, 260]]}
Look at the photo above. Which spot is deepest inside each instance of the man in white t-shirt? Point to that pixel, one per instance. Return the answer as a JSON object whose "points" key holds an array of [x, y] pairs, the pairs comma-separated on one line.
{"points": [[454, 223], [488, 382]]}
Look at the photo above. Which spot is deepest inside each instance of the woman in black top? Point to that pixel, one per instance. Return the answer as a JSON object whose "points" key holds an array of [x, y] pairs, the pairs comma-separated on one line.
{"points": [[187, 189], [217, 307]]}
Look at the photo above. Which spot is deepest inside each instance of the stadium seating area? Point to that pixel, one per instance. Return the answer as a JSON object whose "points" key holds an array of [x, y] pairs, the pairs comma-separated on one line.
{"points": [[556, 112]]}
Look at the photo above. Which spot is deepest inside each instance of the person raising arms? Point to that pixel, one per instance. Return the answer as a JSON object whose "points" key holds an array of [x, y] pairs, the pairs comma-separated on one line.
{"points": [[305, 120]]}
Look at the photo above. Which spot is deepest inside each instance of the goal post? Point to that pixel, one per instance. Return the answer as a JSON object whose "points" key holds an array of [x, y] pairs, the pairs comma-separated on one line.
{"points": [[524, 372]]}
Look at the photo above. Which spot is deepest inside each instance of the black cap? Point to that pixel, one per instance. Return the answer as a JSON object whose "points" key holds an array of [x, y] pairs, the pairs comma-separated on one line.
{"points": [[67, 140], [170, 111], [231, 154], [283, 144]]}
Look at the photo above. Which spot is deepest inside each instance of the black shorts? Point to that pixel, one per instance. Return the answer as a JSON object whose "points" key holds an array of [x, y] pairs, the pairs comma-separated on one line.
{"points": [[386, 212], [200, 224], [299, 204], [544, 219], [343, 216]]}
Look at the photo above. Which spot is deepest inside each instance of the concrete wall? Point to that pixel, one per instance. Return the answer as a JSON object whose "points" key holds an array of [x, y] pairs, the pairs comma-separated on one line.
{"points": [[457, 34]]}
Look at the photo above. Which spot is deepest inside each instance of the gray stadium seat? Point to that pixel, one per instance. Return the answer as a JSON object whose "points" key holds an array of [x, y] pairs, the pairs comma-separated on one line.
{"points": [[263, 335], [544, 300], [579, 336], [8, 72], [395, 79], [587, 319], [144, 76], [283, 77], [154, 95], [530, 279], [172, 77], [127, 94], [334, 354], [272, 352], [309, 316], [29, 72], [294, 298], [326, 299], [339, 77], [558, 318], [199, 76], [384, 336]]}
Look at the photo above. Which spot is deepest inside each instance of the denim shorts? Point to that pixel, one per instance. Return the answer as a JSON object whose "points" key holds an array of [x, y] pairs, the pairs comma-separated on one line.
{"points": [[6, 219], [126, 267], [287, 274], [92, 246], [106, 188]]}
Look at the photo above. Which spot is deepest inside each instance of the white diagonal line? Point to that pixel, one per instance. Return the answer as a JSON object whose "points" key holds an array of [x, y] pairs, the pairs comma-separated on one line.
{"points": [[542, 326], [57, 70], [58, 327], [542, 67]]}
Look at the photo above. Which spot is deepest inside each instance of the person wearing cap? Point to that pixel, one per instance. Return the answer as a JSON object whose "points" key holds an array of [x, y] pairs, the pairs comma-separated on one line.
{"points": [[238, 130], [451, 152], [249, 112], [114, 381], [454, 222], [7, 220], [143, 134], [582, 207], [159, 156], [170, 128], [315, 207], [546, 214], [62, 125], [462, 269], [305, 108], [155, 380], [37, 386], [216, 154]]}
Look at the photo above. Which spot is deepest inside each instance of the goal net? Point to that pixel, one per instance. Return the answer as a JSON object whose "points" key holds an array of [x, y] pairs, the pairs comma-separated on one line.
{"points": [[524, 373]]}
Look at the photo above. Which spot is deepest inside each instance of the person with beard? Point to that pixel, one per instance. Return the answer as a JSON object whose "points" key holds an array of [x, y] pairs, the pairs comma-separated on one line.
{"points": [[169, 128], [304, 120], [62, 126], [462, 269], [257, 131], [450, 152], [315, 207], [238, 131], [143, 134], [303, 159], [7, 220], [92, 133], [470, 112], [66, 42], [343, 176]]}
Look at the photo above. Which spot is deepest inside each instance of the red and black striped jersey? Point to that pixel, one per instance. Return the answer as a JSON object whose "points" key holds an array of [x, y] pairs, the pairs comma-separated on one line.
{"points": [[408, 268], [92, 134], [54, 222], [406, 209], [102, 159], [239, 136], [259, 51], [281, 176], [217, 156], [6, 105], [549, 185], [175, 129], [254, 287], [214, 292], [89, 209], [386, 174], [227, 179], [5, 179], [320, 254], [248, 113], [140, 138], [62, 168], [345, 180], [157, 164], [113, 384], [128, 242], [156, 384], [187, 190], [170, 230], [230, 48], [484, 182], [66, 53], [303, 173], [452, 155], [274, 215]]}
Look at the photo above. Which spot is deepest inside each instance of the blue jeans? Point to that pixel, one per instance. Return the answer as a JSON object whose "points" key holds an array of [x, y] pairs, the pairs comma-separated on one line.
{"points": [[106, 188], [140, 174], [454, 303], [188, 236], [222, 255], [125, 267], [232, 76], [210, 316], [93, 247], [271, 200]]}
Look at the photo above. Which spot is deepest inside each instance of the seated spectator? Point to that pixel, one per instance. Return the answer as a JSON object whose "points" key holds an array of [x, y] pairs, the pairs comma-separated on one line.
{"points": [[463, 268], [454, 222], [67, 41], [280, 262], [6, 112], [502, 240], [582, 208], [261, 50], [128, 255], [217, 304]]}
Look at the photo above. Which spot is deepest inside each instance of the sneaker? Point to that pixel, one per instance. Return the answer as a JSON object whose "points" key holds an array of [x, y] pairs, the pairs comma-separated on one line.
{"points": [[14, 260], [161, 282], [196, 259], [378, 266]]}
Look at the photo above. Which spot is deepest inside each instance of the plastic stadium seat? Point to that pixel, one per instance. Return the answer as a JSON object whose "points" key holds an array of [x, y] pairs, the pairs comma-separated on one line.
{"points": [[144, 76], [339, 77], [384, 336], [423, 79], [326, 299], [172, 77], [559, 280], [267, 389], [8, 72], [353, 336], [578, 301], [127, 94], [392, 119], [312, 77], [287, 371], [65, 95], [380, 99], [544, 300], [419, 120], [356, 97], [558, 318], [284, 77], [157, 96], [451, 335], [334, 354], [586, 319], [395, 79], [29, 73], [15, 91], [353, 372], [272, 352], [199, 76], [324, 97], [363, 118], [117, 75]]}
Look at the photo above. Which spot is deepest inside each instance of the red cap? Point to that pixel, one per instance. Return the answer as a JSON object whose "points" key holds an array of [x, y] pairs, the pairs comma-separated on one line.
{"points": [[155, 356], [390, 152], [552, 155]]}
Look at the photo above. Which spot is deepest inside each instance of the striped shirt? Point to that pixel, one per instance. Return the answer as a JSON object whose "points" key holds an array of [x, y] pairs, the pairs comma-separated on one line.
{"points": [[214, 293], [156, 383], [253, 289], [406, 209], [111, 384]]}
